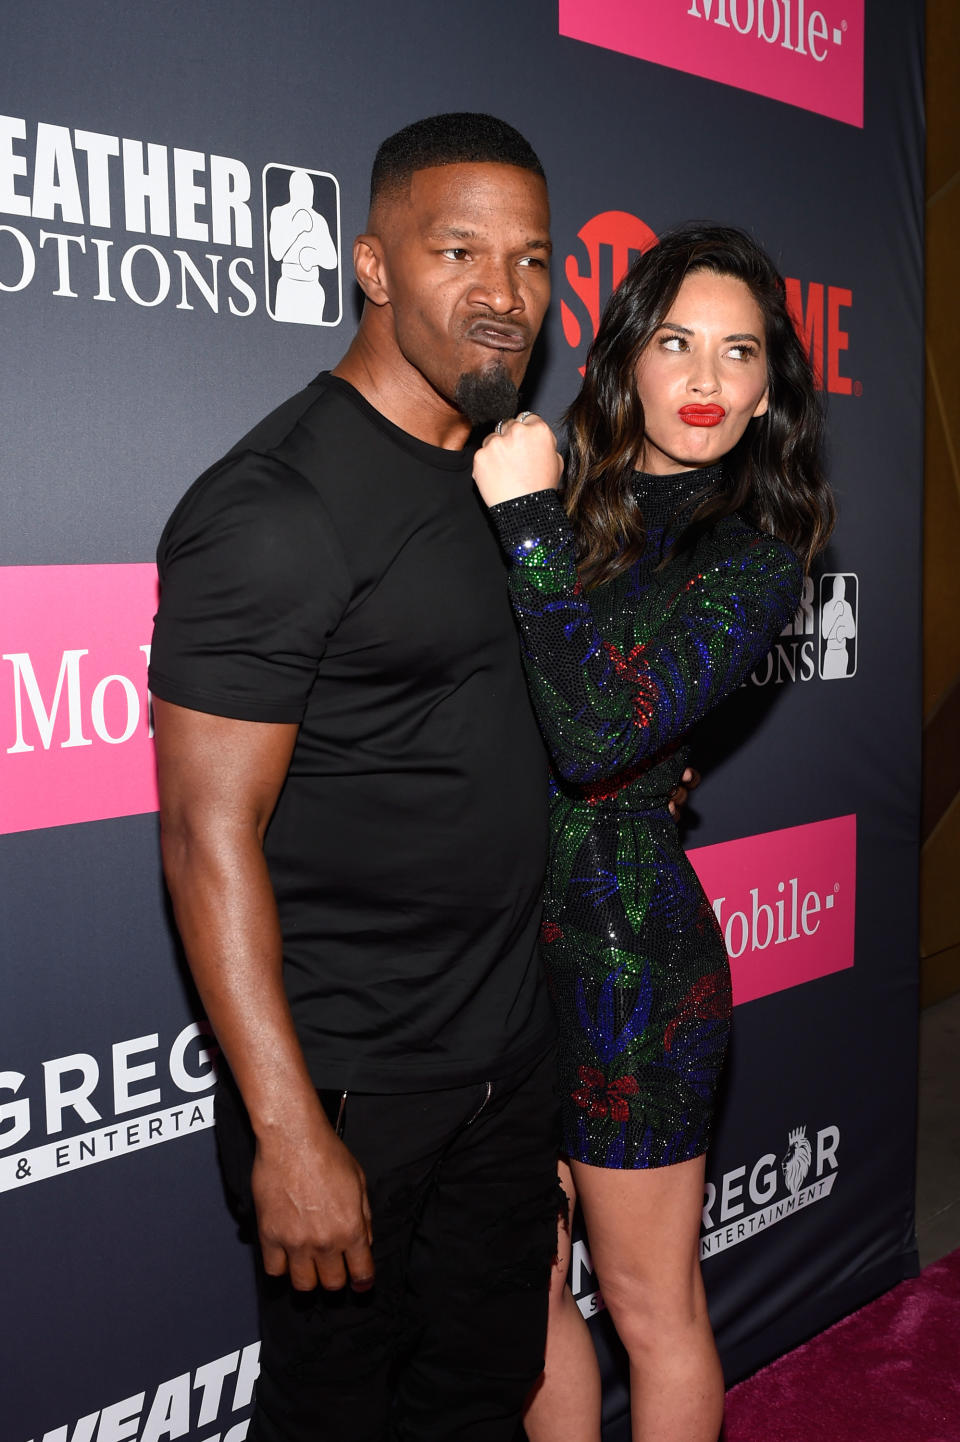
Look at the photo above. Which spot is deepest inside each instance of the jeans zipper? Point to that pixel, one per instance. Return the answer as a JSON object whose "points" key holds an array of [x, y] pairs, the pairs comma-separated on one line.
{"points": [[486, 1097]]}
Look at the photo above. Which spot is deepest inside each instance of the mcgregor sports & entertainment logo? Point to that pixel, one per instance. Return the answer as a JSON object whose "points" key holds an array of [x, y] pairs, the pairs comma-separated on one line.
{"points": [[785, 902], [73, 1111], [750, 1199], [608, 243], [83, 204], [185, 1407], [797, 51]]}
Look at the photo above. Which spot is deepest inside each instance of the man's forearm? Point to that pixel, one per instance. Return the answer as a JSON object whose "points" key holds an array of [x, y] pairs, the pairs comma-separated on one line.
{"points": [[227, 916], [219, 783]]}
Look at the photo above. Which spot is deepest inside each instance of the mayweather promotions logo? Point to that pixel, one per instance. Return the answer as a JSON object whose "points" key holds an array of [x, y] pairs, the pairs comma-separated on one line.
{"points": [[185, 1407], [89, 216], [820, 639], [793, 51], [747, 1200]]}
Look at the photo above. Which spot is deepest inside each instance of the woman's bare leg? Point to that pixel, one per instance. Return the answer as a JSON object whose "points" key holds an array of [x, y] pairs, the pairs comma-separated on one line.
{"points": [[565, 1404], [644, 1230]]}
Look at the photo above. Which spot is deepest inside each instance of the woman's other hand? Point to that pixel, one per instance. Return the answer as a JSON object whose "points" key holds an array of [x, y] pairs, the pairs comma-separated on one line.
{"points": [[518, 458], [681, 792]]}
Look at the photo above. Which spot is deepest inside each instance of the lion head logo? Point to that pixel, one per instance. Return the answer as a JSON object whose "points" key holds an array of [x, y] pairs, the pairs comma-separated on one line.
{"points": [[796, 1162]]}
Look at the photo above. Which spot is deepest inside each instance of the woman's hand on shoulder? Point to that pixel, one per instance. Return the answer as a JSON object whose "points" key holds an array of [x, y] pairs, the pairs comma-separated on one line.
{"points": [[518, 458]]}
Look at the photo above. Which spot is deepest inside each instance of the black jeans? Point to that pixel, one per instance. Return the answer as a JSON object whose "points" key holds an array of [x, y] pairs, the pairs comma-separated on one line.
{"points": [[446, 1345]]}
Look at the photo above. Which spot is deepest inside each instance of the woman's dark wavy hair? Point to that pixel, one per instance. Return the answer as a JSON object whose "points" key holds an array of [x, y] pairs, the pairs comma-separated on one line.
{"points": [[774, 475]]}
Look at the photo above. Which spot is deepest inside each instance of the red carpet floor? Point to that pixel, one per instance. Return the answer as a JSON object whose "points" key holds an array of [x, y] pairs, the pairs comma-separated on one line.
{"points": [[888, 1373]]}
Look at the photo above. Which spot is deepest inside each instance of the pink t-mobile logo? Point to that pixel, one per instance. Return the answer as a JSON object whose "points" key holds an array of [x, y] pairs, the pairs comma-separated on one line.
{"points": [[75, 721], [786, 903], [807, 53]]}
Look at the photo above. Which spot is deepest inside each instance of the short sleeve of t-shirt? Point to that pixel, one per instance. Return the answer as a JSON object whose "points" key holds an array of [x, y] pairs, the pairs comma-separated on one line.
{"points": [[252, 582]]}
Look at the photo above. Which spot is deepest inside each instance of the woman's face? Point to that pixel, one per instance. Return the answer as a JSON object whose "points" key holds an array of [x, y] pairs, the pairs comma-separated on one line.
{"points": [[703, 376]]}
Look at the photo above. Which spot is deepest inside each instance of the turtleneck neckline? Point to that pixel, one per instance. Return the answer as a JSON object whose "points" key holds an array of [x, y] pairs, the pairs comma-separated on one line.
{"points": [[660, 498]]}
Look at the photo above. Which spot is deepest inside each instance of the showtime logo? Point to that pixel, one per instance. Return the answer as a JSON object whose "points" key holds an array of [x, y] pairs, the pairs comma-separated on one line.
{"points": [[75, 718], [819, 323], [611, 241], [785, 902], [787, 50]]}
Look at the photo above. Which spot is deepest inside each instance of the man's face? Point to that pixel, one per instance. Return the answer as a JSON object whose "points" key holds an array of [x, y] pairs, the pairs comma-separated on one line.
{"points": [[466, 254]]}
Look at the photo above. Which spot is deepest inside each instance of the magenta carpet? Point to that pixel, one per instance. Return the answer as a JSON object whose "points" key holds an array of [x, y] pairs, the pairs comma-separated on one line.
{"points": [[888, 1373]]}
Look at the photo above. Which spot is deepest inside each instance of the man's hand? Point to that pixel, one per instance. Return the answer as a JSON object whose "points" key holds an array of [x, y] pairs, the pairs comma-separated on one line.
{"points": [[680, 794], [313, 1213]]}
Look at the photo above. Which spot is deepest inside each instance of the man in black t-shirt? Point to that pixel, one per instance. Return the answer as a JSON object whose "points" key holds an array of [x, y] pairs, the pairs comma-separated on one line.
{"points": [[354, 829]]}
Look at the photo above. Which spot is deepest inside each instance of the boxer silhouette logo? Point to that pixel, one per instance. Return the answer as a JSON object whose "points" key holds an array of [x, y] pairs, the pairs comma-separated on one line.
{"points": [[301, 229], [838, 625]]}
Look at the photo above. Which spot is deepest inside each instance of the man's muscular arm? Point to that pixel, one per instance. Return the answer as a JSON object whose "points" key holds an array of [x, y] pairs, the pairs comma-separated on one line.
{"points": [[219, 783]]}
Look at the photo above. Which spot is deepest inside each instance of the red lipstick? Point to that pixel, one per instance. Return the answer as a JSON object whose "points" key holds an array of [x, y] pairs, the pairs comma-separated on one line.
{"points": [[702, 415]]}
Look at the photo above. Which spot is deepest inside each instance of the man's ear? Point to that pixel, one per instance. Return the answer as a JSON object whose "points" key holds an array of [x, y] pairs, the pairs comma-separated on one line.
{"points": [[370, 269]]}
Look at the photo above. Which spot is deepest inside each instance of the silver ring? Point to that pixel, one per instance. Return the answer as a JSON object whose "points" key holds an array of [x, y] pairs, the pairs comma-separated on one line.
{"points": [[523, 416], [498, 428]]}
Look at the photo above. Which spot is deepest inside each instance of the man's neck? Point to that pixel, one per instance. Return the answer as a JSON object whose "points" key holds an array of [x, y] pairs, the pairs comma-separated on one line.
{"points": [[400, 393]]}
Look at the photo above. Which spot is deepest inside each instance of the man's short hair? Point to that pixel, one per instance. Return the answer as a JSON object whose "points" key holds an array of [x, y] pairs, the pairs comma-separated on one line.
{"points": [[458, 138]]}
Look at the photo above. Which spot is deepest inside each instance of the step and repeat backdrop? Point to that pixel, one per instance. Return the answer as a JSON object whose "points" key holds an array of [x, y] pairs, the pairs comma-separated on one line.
{"points": [[153, 159]]}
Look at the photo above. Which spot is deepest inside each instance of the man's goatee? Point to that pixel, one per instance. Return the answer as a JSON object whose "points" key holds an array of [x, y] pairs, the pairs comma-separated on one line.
{"points": [[484, 396]]}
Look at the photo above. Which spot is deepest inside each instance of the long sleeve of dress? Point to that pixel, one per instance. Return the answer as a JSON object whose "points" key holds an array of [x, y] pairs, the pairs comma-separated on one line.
{"points": [[603, 709]]}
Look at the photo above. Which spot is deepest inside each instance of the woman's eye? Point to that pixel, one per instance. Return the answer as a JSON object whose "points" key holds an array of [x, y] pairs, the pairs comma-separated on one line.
{"points": [[673, 342], [742, 352]]}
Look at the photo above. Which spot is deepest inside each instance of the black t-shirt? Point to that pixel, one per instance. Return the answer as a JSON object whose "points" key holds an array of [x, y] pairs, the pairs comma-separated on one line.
{"points": [[334, 571]]}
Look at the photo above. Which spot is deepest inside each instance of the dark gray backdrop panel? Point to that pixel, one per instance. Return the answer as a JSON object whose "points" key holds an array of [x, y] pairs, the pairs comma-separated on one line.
{"points": [[128, 1274]]}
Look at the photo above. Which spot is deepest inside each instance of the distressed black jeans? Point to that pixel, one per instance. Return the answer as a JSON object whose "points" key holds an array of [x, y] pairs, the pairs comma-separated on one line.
{"points": [[446, 1345]]}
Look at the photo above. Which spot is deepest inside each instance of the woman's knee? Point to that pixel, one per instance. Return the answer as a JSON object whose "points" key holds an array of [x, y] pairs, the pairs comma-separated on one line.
{"points": [[650, 1313]]}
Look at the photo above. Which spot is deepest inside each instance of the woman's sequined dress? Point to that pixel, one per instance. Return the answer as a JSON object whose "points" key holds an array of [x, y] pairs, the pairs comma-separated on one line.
{"points": [[633, 953]]}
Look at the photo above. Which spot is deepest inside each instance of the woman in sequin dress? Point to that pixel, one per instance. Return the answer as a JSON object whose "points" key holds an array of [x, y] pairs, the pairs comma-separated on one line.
{"points": [[693, 502]]}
